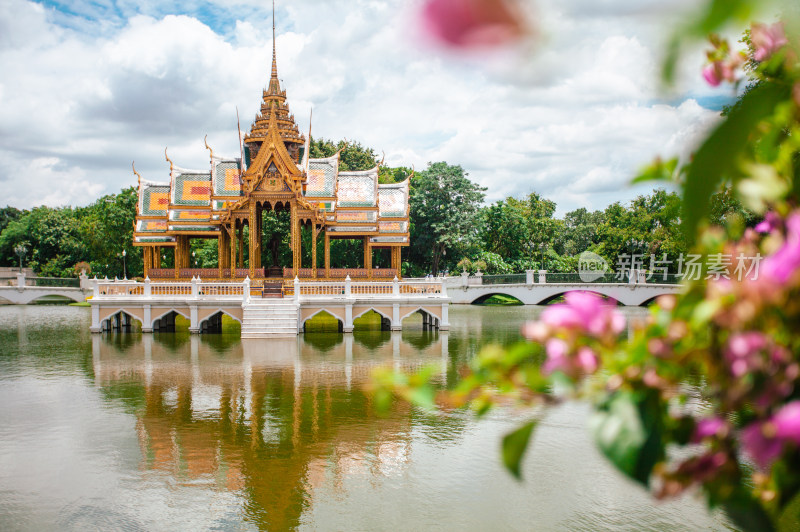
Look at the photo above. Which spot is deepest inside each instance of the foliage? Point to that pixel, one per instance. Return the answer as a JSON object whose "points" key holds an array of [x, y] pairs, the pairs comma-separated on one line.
{"points": [[704, 394], [444, 206]]}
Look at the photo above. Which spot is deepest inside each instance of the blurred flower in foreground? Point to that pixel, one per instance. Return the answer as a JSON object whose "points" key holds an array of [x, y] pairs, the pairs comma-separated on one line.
{"points": [[723, 64], [473, 23], [767, 40]]}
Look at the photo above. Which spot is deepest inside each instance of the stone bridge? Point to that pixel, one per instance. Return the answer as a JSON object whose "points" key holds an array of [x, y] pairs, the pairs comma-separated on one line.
{"points": [[474, 290], [31, 290]]}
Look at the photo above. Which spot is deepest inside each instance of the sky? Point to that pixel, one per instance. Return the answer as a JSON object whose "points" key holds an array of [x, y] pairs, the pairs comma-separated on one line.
{"points": [[88, 86]]}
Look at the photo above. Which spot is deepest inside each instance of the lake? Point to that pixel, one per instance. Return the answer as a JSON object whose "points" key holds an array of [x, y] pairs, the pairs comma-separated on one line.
{"points": [[172, 431]]}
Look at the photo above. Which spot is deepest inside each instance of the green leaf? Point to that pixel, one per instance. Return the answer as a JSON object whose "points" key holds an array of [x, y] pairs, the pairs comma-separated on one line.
{"points": [[627, 429], [747, 514], [717, 157], [658, 170], [514, 446]]}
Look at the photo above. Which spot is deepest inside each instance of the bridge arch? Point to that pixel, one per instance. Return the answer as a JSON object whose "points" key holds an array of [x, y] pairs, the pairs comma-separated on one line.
{"points": [[550, 298], [62, 298], [320, 312], [119, 319], [166, 320], [648, 302], [428, 318], [28, 295], [219, 311], [212, 323], [386, 321], [480, 300]]}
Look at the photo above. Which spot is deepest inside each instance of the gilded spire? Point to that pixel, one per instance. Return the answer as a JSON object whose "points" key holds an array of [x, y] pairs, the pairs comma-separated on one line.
{"points": [[274, 84]]}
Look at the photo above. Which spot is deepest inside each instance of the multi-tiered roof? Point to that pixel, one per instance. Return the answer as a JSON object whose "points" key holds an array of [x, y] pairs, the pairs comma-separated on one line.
{"points": [[207, 203]]}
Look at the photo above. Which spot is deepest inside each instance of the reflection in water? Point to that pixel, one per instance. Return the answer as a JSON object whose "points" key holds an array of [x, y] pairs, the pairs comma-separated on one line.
{"points": [[180, 432], [271, 419]]}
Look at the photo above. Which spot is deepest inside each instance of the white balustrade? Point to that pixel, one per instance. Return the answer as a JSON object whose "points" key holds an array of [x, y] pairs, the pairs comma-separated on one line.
{"points": [[196, 289]]}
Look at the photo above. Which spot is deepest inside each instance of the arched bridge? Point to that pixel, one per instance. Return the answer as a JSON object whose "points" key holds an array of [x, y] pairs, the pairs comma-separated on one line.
{"points": [[29, 294], [538, 294]]}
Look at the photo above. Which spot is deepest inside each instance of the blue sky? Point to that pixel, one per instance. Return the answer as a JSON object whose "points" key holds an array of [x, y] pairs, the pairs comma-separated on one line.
{"points": [[89, 86]]}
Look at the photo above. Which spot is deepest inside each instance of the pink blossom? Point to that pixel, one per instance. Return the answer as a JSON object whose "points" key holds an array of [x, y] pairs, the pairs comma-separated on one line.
{"points": [[719, 71], [557, 360], [782, 265], [787, 422], [471, 23], [710, 427], [763, 449], [711, 73], [744, 352], [587, 360], [767, 40], [586, 312], [770, 223]]}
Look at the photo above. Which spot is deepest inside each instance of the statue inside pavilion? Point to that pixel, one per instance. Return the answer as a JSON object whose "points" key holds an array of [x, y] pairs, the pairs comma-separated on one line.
{"points": [[274, 172]]}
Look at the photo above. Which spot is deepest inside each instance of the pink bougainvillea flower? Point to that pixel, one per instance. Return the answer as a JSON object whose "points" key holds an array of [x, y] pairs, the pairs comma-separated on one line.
{"points": [[473, 23], [557, 360], [770, 223], [744, 352], [787, 422], [719, 71], [710, 427], [587, 360], [761, 446], [767, 40], [712, 74], [585, 312], [782, 265]]}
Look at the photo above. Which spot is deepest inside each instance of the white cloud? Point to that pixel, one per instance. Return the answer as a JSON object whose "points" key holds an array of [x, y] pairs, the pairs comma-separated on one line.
{"points": [[79, 101]]}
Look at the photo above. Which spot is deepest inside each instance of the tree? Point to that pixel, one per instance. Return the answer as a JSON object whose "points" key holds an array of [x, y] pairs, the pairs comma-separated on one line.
{"points": [[444, 205]]}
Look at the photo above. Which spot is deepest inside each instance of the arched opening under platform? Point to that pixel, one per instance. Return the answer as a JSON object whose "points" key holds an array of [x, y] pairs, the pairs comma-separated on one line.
{"points": [[121, 321]]}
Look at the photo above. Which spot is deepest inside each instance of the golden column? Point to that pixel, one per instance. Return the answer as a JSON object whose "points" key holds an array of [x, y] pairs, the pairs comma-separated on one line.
{"points": [[327, 255], [252, 248], [148, 260], [241, 244], [296, 244], [367, 257], [314, 249], [233, 243]]}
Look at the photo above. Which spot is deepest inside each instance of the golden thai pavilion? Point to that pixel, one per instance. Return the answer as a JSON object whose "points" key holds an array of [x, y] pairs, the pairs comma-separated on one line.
{"points": [[276, 174]]}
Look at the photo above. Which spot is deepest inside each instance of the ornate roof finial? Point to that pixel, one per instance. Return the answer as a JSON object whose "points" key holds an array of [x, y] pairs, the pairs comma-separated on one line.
{"points": [[307, 149], [210, 151], [274, 54], [133, 165], [171, 166]]}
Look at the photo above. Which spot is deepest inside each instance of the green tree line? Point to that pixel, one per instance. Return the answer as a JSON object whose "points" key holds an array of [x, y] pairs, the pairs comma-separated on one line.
{"points": [[450, 222]]}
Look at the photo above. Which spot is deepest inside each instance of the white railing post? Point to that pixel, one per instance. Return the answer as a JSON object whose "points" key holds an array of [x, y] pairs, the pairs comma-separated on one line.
{"points": [[444, 288], [464, 278], [246, 290], [195, 287], [96, 291], [148, 291], [632, 276], [542, 276], [20, 281], [479, 277], [396, 287], [529, 277], [642, 277], [347, 286], [296, 289]]}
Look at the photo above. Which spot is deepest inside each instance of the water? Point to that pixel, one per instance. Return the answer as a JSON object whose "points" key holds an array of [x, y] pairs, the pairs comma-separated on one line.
{"points": [[179, 432]]}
